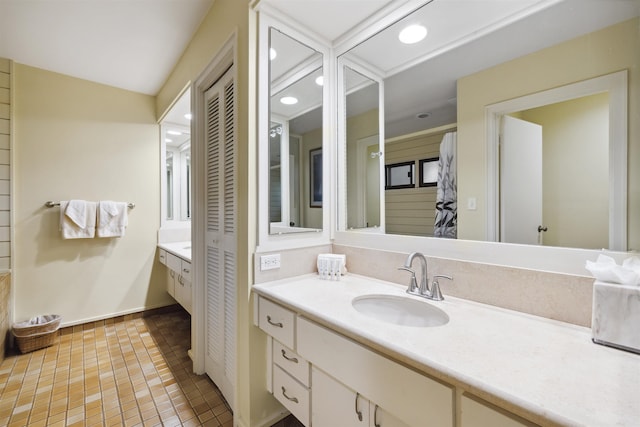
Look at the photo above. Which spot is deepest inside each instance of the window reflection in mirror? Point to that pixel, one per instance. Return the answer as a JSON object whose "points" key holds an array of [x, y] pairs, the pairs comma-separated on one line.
{"points": [[295, 130], [450, 78], [176, 142]]}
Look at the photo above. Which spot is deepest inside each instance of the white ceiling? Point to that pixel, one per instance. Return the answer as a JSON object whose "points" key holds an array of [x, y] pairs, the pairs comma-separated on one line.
{"points": [[129, 44]]}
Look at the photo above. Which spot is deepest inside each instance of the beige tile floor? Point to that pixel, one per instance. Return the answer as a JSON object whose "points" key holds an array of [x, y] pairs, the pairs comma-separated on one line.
{"points": [[128, 371]]}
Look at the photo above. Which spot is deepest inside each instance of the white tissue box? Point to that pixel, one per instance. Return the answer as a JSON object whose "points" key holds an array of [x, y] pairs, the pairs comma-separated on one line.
{"points": [[616, 316]]}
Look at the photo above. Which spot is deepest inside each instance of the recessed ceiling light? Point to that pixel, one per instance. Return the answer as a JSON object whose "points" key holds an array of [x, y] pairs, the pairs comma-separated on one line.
{"points": [[289, 100], [320, 81], [188, 116], [174, 132], [412, 34], [423, 115], [272, 53]]}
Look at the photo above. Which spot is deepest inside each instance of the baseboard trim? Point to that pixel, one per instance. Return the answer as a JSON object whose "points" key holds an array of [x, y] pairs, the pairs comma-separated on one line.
{"points": [[124, 315]]}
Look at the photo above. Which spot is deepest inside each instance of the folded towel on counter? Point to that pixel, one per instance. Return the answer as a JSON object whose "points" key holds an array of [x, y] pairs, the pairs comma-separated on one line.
{"points": [[112, 218], [77, 219], [605, 269]]}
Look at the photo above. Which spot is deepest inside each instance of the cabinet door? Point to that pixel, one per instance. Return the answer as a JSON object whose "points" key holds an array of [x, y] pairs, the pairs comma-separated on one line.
{"points": [[183, 293], [381, 418], [171, 282], [473, 413], [333, 404]]}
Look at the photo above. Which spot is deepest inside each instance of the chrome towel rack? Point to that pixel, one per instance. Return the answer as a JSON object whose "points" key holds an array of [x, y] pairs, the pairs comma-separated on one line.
{"points": [[51, 204]]}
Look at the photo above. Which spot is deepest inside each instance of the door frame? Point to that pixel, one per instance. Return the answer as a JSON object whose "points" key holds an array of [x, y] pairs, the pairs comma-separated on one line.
{"points": [[616, 85]]}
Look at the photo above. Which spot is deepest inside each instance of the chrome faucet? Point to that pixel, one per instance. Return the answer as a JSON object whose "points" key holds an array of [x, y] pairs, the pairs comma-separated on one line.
{"points": [[423, 289]]}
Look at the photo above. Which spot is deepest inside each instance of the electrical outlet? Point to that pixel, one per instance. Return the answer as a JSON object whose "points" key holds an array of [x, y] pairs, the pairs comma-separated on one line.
{"points": [[269, 262]]}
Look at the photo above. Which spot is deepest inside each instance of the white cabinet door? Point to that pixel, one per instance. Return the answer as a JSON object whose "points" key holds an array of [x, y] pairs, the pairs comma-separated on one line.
{"points": [[183, 293], [381, 418], [333, 404], [475, 414], [171, 282]]}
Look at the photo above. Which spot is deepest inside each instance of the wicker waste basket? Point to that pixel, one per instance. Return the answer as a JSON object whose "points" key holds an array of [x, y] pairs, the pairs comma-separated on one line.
{"points": [[37, 332]]}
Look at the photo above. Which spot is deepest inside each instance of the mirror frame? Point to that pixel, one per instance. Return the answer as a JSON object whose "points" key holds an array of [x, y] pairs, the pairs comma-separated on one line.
{"points": [[544, 258], [267, 241]]}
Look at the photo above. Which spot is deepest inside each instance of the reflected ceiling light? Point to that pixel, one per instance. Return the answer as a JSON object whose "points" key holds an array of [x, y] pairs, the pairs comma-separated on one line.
{"points": [[272, 53], [174, 132], [412, 34], [289, 100], [188, 116], [320, 81], [168, 140]]}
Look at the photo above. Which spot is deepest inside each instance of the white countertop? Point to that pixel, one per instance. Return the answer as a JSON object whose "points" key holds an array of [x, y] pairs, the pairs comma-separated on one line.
{"points": [[544, 370], [179, 249]]}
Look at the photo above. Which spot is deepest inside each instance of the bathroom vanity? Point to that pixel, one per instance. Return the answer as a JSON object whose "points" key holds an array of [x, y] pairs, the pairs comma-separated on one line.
{"points": [[331, 365], [177, 257]]}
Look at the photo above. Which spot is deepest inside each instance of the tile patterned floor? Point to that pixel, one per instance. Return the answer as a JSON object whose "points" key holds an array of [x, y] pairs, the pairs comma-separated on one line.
{"points": [[128, 371]]}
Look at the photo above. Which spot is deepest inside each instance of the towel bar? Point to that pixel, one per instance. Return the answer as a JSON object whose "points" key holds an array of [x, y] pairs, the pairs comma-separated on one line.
{"points": [[51, 204]]}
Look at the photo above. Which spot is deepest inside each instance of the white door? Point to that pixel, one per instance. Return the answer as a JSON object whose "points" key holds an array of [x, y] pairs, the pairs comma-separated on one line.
{"points": [[520, 181], [220, 224]]}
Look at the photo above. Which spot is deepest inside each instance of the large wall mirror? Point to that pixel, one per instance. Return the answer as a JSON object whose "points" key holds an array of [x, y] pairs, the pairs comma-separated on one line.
{"points": [[176, 169], [295, 136], [444, 88]]}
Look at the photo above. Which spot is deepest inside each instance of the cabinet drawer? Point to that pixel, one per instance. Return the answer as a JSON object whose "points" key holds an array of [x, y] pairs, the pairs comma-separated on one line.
{"points": [[277, 321], [293, 395], [291, 362], [186, 270], [162, 256], [174, 263]]}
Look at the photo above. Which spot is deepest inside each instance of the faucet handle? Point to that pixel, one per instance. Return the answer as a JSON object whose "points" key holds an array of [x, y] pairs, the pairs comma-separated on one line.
{"points": [[413, 283], [436, 294]]}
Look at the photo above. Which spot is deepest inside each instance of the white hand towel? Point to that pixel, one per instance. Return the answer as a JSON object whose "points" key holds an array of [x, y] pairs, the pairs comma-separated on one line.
{"points": [[112, 218], [77, 219]]}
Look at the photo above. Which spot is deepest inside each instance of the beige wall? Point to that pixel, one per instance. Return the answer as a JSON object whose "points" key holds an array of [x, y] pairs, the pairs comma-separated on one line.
{"points": [[603, 52], [575, 171], [225, 17], [83, 140]]}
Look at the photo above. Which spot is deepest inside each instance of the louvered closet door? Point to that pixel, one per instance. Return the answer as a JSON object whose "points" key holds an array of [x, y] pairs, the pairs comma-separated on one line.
{"points": [[220, 276]]}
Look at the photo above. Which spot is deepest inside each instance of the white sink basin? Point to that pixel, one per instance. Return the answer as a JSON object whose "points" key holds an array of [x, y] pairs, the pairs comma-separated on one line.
{"points": [[400, 310]]}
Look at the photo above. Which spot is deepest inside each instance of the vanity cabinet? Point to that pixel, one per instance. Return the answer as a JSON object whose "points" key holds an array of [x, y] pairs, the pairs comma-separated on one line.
{"points": [[323, 378], [179, 278]]}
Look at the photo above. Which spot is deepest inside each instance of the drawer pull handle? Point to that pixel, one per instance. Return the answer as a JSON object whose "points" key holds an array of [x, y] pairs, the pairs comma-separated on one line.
{"points": [[358, 412], [375, 417], [185, 270], [293, 399], [276, 324], [290, 359]]}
